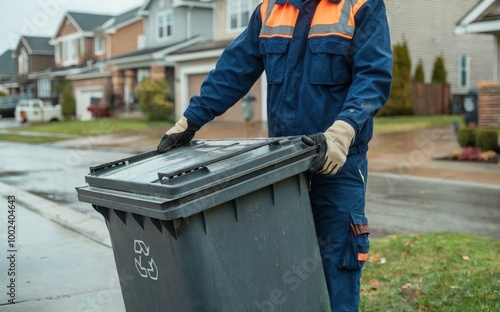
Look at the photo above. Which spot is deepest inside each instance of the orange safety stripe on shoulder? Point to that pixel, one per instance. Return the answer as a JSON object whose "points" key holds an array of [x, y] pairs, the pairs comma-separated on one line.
{"points": [[283, 15], [362, 256], [263, 11], [332, 19], [356, 5]]}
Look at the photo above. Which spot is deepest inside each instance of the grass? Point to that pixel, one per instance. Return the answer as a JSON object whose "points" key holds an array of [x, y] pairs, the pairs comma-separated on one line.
{"points": [[28, 138], [432, 272], [404, 123], [93, 127]]}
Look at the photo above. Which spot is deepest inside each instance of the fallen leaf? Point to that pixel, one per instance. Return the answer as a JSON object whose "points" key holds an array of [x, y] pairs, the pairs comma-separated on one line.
{"points": [[374, 257], [466, 258], [374, 284], [406, 286], [407, 244], [383, 260], [416, 293]]}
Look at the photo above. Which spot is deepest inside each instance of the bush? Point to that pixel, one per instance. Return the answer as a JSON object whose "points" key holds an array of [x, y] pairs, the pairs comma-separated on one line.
{"points": [[419, 73], [2, 93], [467, 137], [439, 72], [487, 140], [153, 100], [68, 103], [400, 101]]}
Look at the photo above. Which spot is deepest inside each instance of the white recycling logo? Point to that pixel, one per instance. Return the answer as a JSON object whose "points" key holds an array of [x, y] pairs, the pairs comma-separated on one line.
{"points": [[149, 270]]}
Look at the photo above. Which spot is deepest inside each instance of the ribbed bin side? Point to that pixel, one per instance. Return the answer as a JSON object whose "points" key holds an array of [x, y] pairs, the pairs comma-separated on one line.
{"points": [[258, 252]]}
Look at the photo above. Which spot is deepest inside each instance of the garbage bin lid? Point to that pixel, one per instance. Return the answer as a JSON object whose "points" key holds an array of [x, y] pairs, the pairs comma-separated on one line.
{"points": [[186, 173]]}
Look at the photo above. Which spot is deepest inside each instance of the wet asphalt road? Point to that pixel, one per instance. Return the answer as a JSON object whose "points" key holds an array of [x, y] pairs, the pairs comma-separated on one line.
{"points": [[396, 204]]}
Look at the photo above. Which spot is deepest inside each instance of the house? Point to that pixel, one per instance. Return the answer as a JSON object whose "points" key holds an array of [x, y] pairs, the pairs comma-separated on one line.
{"points": [[483, 20], [194, 62], [8, 82], [170, 26], [33, 54], [428, 32]]}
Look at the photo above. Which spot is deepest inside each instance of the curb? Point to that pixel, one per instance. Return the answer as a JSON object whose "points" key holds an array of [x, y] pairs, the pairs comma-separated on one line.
{"points": [[77, 222]]}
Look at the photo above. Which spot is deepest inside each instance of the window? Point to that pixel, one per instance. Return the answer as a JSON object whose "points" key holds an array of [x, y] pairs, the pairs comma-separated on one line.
{"points": [[44, 88], [70, 50], [464, 70], [165, 21], [23, 62], [99, 45], [143, 73], [238, 14]]}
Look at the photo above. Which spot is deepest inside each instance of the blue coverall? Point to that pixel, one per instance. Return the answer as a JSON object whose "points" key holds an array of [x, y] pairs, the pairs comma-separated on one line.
{"points": [[314, 79]]}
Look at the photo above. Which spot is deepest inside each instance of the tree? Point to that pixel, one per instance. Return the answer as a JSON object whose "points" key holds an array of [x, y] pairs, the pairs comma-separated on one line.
{"points": [[153, 99], [419, 73], [400, 101], [439, 72]]}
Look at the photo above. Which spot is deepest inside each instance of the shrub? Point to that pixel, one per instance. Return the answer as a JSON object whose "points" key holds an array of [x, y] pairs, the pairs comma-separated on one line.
{"points": [[68, 103], [419, 73], [400, 101], [466, 137], [439, 72], [487, 140], [2, 93], [153, 100]]}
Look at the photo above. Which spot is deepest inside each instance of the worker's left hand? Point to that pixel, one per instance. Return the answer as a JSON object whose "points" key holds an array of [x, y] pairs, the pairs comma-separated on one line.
{"points": [[334, 145]]}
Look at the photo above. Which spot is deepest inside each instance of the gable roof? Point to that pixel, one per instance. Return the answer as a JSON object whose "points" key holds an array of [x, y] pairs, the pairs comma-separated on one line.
{"points": [[207, 4], [7, 64], [87, 21], [37, 45], [484, 17], [121, 20]]}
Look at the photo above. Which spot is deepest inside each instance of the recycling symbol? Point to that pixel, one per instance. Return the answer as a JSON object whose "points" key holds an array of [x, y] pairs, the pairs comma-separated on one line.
{"points": [[145, 265]]}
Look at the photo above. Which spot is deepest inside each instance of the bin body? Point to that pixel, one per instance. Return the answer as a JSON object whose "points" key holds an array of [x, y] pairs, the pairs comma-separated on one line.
{"points": [[235, 234]]}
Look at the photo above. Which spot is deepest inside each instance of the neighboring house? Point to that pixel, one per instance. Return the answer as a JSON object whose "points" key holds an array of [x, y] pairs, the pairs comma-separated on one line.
{"points": [[8, 82], [428, 26], [170, 25], [194, 62], [428, 31], [33, 54], [484, 19]]}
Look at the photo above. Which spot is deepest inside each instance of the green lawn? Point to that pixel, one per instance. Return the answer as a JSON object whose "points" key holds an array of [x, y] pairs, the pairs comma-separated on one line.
{"points": [[403, 123], [432, 272], [93, 127]]}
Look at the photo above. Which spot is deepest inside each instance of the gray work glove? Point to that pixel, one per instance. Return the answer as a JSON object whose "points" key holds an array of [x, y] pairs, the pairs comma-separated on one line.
{"points": [[334, 145], [180, 134]]}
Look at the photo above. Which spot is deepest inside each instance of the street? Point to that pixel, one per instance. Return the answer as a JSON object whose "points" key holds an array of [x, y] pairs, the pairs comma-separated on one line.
{"points": [[396, 204]]}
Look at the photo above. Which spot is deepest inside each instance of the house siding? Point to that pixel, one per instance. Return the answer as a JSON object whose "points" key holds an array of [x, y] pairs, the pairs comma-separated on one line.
{"points": [[125, 39], [430, 34], [67, 28], [40, 62]]}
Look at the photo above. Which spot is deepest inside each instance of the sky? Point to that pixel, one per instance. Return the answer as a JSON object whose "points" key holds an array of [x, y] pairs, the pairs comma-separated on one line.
{"points": [[42, 17]]}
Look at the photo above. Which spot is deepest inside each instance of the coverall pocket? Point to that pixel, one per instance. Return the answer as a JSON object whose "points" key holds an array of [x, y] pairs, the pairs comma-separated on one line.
{"points": [[329, 65], [274, 52], [357, 245]]}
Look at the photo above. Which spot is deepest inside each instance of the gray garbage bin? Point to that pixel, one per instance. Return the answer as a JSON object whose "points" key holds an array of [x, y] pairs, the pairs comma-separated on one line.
{"points": [[221, 225]]}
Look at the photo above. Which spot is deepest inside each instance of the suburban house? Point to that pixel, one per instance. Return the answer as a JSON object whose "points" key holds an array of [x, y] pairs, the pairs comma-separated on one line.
{"points": [[8, 82], [428, 32], [483, 20], [169, 26], [33, 54], [194, 62]]}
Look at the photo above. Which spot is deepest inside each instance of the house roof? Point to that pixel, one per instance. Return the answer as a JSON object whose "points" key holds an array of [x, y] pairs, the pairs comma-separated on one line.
{"points": [[204, 46], [87, 21], [7, 64], [122, 19], [483, 17], [179, 3], [37, 45]]}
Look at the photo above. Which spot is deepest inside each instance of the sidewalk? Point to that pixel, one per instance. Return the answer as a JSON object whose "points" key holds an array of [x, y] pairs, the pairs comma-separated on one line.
{"points": [[56, 269]]}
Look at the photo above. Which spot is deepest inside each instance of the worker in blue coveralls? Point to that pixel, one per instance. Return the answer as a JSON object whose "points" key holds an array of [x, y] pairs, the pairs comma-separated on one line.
{"points": [[328, 65]]}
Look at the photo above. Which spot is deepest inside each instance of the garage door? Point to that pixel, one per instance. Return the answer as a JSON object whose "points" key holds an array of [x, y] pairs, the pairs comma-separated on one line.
{"points": [[84, 97]]}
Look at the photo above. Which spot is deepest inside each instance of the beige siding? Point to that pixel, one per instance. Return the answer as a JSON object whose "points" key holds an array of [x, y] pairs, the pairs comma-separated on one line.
{"points": [[66, 28], [428, 27], [40, 62], [125, 39]]}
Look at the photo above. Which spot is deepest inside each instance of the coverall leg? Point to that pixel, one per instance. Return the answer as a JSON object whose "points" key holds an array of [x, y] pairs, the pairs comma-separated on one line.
{"points": [[337, 202]]}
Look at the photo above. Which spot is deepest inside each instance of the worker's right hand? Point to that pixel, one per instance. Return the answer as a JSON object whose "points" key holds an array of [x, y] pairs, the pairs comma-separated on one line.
{"points": [[180, 134]]}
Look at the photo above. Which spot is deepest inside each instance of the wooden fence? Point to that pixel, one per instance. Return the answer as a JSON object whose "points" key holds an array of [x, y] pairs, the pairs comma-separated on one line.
{"points": [[488, 104], [431, 99]]}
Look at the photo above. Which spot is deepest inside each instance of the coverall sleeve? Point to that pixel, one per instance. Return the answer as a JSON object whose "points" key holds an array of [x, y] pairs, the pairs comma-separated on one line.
{"points": [[237, 69], [371, 65]]}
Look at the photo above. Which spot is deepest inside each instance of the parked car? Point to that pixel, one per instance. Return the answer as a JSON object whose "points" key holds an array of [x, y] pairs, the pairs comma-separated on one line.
{"points": [[36, 110], [8, 106]]}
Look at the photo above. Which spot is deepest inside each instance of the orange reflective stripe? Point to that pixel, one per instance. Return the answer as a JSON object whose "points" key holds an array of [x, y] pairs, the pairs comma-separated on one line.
{"points": [[357, 5], [362, 256], [327, 13], [283, 15], [263, 11]]}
